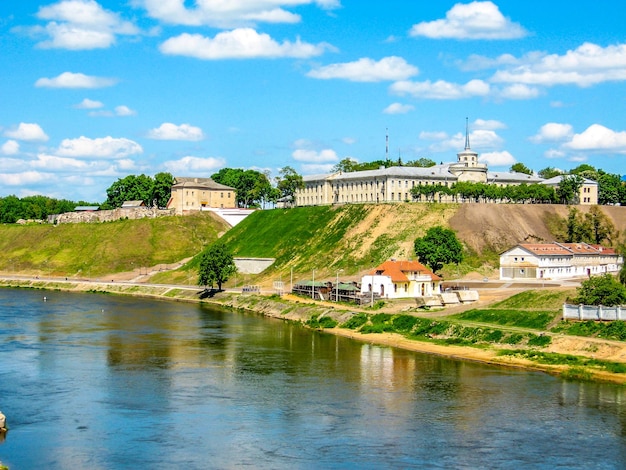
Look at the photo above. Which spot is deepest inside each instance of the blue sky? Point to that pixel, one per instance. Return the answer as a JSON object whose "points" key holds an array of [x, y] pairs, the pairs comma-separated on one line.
{"points": [[92, 91]]}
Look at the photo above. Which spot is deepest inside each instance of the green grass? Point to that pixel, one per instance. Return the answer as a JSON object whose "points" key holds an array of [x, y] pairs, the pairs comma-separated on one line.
{"points": [[546, 300], [615, 330], [537, 320], [95, 249], [575, 362]]}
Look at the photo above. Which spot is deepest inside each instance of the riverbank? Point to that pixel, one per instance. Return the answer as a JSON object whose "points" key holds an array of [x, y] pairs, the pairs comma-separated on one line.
{"points": [[301, 310]]}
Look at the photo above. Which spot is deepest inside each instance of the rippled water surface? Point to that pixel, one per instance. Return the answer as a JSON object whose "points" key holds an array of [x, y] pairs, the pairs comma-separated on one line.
{"points": [[105, 382]]}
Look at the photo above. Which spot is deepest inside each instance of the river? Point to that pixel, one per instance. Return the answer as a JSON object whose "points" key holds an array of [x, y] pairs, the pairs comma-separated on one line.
{"points": [[93, 381]]}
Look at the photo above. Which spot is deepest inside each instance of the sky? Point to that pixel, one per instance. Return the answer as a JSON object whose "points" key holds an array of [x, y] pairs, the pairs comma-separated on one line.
{"points": [[94, 90]]}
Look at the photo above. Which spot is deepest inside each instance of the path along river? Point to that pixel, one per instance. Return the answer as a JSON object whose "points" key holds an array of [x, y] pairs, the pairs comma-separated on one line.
{"points": [[106, 382]]}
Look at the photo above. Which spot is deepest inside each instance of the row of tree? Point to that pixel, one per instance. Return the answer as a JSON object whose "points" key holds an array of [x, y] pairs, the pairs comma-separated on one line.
{"points": [[154, 192], [13, 208]]}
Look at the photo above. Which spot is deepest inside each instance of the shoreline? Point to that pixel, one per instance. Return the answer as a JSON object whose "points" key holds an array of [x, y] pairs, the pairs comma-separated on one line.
{"points": [[301, 310]]}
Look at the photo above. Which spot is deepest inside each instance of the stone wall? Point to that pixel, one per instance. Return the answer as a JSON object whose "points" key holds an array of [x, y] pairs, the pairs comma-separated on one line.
{"points": [[108, 215]]}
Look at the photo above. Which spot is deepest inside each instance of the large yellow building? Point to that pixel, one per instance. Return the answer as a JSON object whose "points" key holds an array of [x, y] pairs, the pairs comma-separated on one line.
{"points": [[196, 194]]}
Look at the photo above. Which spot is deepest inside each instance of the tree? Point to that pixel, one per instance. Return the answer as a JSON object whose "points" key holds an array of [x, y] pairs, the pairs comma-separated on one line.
{"points": [[421, 163], [438, 247], [288, 182], [216, 266], [521, 168], [130, 188], [162, 189], [346, 165], [601, 290], [610, 188], [568, 191], [251, 185], [549, 172]]}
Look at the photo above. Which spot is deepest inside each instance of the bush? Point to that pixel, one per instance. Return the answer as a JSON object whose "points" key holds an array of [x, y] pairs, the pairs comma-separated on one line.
{"points": [[601, 290], [404, 323], [540, 341], [356, 321]]}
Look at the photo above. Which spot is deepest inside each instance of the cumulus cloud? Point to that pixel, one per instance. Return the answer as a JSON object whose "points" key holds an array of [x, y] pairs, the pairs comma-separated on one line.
{"points": [[124, 111], [104, 147], [475, 20], [488, 124], [190, 164], [314, 156], [584, 66], [441, 90], [519, 91], [598, 138], [75, 80], [55, 163], [23, 178], [28, 132], [10, 147], [310, 169], [229, 14], [80, 25], [169, 131], [553, 132], [497, 158], [367, 70], [398, 108], [242, 43], [89, 104]]}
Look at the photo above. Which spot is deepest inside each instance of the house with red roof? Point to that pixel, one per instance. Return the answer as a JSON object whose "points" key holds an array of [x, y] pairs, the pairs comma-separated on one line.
{"points": [[401, 279], [558, 261]]}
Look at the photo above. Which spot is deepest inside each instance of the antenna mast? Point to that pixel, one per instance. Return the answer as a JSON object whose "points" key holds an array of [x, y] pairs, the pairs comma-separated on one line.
{"points": [[386, 144], [467, 143]]}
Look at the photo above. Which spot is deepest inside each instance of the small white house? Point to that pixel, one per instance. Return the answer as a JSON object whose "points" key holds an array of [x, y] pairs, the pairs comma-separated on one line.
{"points": [[401, 279], [558, 261]]}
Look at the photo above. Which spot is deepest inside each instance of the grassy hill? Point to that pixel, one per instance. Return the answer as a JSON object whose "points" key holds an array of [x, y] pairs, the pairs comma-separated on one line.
{"points": [[349, 238], [96, 249]]}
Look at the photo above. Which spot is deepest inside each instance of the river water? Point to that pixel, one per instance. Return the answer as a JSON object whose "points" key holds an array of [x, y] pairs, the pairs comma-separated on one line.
{"points": [[92, 381]]}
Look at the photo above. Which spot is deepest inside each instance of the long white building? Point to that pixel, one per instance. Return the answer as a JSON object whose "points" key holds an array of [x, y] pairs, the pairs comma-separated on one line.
{"points": [[394, 184]]}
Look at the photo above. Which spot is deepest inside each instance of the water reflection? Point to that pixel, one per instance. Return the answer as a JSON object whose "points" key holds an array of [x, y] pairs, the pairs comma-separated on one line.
{"points": [[128, 383]]}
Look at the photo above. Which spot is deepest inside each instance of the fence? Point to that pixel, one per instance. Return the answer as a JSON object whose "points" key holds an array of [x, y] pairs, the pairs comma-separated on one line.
{"points": [[593, 312]]}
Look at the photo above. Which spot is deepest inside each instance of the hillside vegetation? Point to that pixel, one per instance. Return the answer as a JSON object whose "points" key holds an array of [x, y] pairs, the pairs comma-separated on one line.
{"points": [[95, 249], [348, 239]]}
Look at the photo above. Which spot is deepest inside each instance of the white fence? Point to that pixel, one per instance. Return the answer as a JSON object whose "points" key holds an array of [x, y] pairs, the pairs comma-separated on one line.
{"points": [[593, 312]]}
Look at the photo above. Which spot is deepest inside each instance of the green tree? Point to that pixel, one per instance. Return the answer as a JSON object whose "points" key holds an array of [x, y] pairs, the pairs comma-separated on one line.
{"points": [[568, 191], [521, 168], [288, 182], [216, 266], [609, 189], [251, 186], [162, 189], [346, 165], [421, 163], [586, 171], [549, 172], [601, 290], [130, 188], [438, 247]]}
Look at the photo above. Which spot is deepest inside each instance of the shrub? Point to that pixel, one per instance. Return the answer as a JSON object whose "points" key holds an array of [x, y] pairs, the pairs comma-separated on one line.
{"points": [[539, 340], [404, 323], [356, 321]]}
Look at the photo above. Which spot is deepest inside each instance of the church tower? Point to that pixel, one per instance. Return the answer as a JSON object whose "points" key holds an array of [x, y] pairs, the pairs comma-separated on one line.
{"points": [[467, 167]]}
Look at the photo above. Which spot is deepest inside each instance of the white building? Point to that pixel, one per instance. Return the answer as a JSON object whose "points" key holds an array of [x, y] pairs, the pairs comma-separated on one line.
{"points": [[557, 261], [401, 279]]}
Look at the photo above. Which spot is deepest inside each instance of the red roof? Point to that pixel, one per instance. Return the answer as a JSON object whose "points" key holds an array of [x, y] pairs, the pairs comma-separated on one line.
{"points": [[396, 270], [566, 249]]}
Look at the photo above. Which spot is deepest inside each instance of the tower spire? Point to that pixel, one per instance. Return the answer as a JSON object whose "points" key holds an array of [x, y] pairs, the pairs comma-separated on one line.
{"points": [[467, 143]]}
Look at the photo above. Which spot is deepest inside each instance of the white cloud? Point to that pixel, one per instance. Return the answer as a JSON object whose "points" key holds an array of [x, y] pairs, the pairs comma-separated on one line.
{"points": [[553, 132], [227, 14], [28, 132], [475, 20], [75, 80], [124, 111], [519, 91], [105, 147], [497, 158], [313, 156], [54, 163], [367, 70], [433, 135], [398, 108], [242, 43], [89, 104], [23, 178], [80, 25], [349, 140], [598, 138], [441, 90], [309, 169], [169, 131], [488, 124], [10, 147], [587, 65], [189, 164]]}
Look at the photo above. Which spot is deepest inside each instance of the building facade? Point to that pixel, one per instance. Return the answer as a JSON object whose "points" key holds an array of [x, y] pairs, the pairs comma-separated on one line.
{"points": [[394, 184], [196, 194], [558, 261], [401, 279]]}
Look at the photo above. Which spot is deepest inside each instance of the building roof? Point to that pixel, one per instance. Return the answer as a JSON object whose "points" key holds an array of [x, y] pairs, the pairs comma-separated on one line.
{"points": [[201, 183], [556, 180], [131, 204], [565, 249], [397, 269]]}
